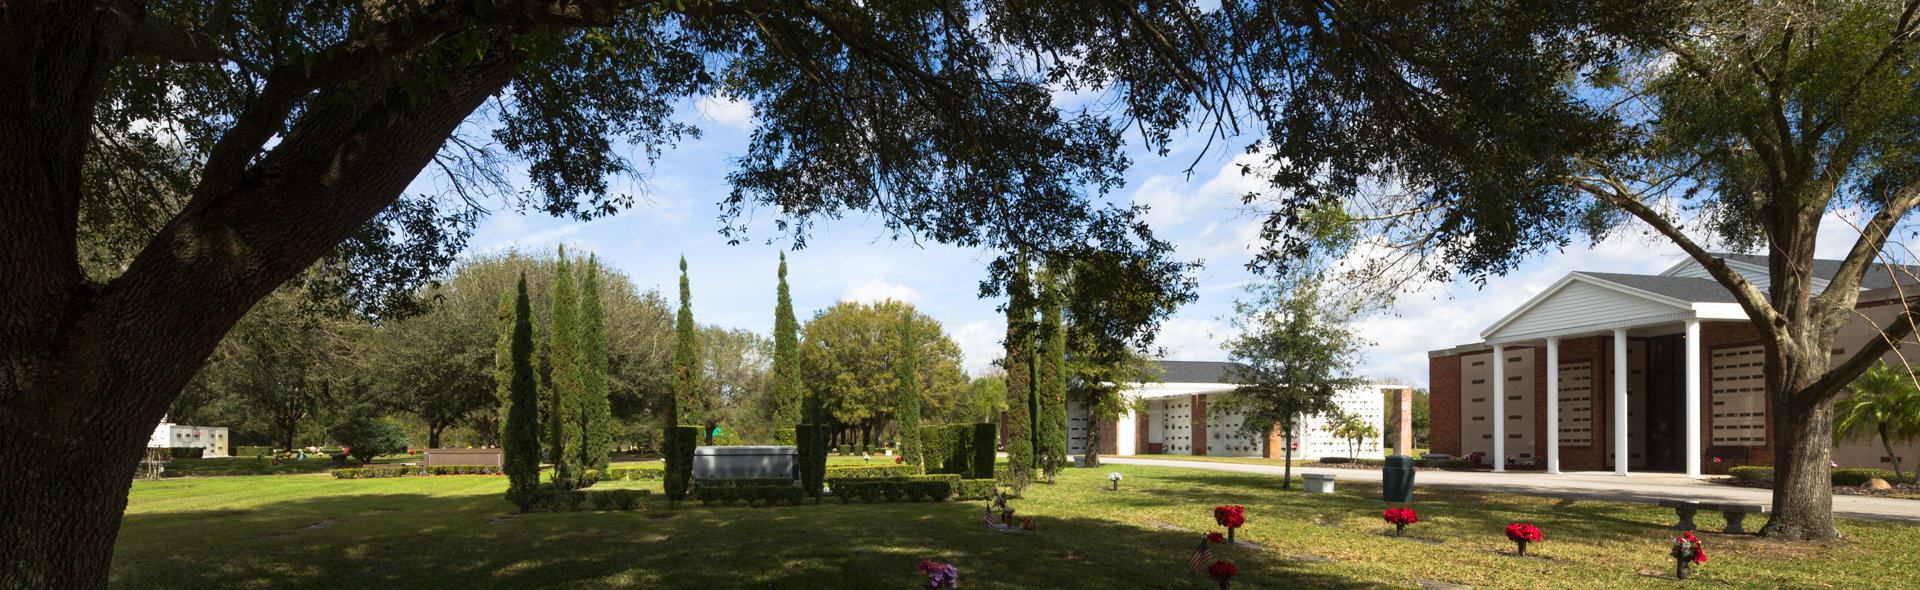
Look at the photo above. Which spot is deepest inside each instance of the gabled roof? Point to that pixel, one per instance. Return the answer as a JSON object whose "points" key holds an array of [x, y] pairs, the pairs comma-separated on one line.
{"points": [[1688, 289], [1197, 371], [1879, 276]]}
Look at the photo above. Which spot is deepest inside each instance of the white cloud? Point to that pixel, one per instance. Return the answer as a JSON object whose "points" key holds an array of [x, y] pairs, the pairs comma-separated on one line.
{"points": [[727, 112], [980, 342], [1187, 339], [876, 289]]}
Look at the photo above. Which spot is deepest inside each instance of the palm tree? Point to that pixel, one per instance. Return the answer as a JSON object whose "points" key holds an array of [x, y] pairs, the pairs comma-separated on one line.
{"points": [[1354, 429], [1884, 402]]}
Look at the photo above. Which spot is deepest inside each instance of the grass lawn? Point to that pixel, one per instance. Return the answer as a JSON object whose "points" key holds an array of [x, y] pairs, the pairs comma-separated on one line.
{"points": [[312, 531]]}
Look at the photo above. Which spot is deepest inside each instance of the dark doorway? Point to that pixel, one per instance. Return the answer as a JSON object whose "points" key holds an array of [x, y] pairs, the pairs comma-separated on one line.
{"points": [[1666, 403]]}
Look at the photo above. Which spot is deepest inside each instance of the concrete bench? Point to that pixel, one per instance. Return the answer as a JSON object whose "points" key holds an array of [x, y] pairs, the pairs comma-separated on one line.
{"points": [[1318, 483], [1734, 513]]}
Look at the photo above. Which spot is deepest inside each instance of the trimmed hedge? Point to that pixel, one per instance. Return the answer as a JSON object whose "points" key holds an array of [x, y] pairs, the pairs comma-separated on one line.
{"points": [[973, 489], [1456, 464], [751, 494], [252, 451], [679, 469], [785, 437], [894, 489], [901, 470], [1840, 477], [745, 482], [1751, 473], [186, 452], [646, 472], [960, 449], [554, 499], [413, 470], [985, 437]]}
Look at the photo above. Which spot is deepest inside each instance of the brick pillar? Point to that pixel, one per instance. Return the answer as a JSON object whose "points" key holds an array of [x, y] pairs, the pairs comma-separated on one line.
{"points": [[1199, 417], [1403, 444]]}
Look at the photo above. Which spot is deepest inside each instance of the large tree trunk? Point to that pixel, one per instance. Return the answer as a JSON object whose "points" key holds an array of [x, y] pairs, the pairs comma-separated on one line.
{"points": [[1887, 442], [1093, 440], [87, 369], [1802, 482]]}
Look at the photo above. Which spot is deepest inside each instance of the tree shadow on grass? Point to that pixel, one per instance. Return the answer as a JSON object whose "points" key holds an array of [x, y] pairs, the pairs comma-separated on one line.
{"points": [[421, 541]]}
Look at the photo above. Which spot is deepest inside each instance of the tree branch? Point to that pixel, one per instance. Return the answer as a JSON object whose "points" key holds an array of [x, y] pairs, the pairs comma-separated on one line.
{"points": [[1749, 296]]}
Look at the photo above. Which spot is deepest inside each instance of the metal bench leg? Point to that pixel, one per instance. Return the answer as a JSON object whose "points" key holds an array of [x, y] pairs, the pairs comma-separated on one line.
{"points": [[1686, 519], [1733, 522]]}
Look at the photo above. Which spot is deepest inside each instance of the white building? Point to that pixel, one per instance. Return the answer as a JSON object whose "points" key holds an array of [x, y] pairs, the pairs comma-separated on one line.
{"points": [[1177, 420], [211, 438]]}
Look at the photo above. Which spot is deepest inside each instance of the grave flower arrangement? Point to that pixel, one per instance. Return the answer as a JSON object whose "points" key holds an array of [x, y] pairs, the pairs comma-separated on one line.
{"points": [[1216, 538], [940, 575], [1400, 518], [1521, 534], [1687, 550], [1115, 478], [1232, 517], [1223, 571]]}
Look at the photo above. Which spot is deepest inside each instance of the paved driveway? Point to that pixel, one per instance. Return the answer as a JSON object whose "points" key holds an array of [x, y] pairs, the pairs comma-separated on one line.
{"points": [[1642, 488]]}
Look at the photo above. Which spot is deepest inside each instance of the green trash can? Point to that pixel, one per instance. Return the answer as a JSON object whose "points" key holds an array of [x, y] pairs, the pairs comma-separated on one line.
{"points": [[1396, 484]]}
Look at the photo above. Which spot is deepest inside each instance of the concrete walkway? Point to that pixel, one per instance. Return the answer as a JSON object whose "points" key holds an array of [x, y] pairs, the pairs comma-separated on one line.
{"points": [[1647, 488]]}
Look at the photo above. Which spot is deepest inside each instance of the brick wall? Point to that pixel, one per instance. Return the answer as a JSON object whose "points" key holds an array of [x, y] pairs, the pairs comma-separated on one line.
{"points": [[1443, 404]]}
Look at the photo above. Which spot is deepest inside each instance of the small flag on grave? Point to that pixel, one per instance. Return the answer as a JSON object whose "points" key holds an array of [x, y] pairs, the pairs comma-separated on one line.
{"points": [[1201, 555], [990, 520]]}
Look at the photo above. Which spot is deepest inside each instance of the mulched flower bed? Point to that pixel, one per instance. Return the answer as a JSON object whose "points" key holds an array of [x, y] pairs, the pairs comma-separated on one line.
{"points": [[1898, 488]]}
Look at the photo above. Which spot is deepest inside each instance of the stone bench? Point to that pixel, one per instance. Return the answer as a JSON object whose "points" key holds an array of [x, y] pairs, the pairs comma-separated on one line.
{"points": [[1318, 483], [1734, 513]]}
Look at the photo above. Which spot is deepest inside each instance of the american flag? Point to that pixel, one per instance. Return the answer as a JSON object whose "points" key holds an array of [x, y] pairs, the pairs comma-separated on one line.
{"points": [[1202, 555], [990, 520]]}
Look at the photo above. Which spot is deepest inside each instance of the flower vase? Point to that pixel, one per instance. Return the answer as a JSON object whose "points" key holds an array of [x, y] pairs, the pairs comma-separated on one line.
{"points": [[1683, 567], [1399, 529], [1523, 547], [1224, 582], [1230, 540]]}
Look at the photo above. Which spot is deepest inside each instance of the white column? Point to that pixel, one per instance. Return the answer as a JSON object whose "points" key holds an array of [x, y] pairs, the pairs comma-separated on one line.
{"points": [[1499, 409], [1553, 405], [1693, 399], [1620, 402]]}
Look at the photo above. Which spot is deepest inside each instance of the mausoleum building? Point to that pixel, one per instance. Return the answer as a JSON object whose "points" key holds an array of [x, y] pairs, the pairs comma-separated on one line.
{"points": [[1663, 370], [1180, 419]]}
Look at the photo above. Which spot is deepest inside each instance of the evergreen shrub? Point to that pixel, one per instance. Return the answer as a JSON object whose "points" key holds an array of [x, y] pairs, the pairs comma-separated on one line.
{"points": [[869, 471], [647, 472], [186, 452], [973, 489], [1456, 464], [1335, 460], [679, 472], [985, 434], [1859, 477], [1751, 473], [784, 437]]}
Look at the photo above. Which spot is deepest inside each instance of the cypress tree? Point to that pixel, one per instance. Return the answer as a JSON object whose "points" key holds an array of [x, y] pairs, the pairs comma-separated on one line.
{"points": [[786, 358], [520, 443], [906, 372], [686, 360], [1019, 347], [1051, 430], [596, 414], [503, 361], [563, 432]]}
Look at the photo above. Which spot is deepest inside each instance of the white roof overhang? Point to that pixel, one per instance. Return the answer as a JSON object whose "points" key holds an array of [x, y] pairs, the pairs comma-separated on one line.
{"points": [[1656, 309]]}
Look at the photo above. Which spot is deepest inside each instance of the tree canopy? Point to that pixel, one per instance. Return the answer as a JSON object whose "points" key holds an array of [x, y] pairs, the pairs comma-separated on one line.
{"points": [[848, 353]]}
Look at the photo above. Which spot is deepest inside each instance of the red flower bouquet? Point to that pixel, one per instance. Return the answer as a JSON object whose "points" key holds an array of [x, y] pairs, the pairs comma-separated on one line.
{"points": [[1521, 534], [1222, 570], [1400, 518], [1687, 550], [1232, 517], [1216, 538]]}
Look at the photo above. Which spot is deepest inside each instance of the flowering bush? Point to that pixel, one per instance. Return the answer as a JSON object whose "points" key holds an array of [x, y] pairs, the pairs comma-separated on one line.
{"points": [[1523, 532], [1216, 538], [1688, 545], [1232, 517], [939, 575], [1401, 516], [1222, 570]]}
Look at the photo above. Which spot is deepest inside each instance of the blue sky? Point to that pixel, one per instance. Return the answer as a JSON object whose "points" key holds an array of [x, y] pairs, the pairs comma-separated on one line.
{"points": [[856, 259]]}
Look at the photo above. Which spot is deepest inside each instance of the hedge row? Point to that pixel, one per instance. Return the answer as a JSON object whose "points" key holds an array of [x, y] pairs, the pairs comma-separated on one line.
{"points": [[893, 489], [973, 489], [648, 472], [902, 470], [1840, 477], [961, 449], [745, 482], [410, 470], [185, 452], [786, 437], [1456, 464], [770, 494], [555, 500], [1372, 462]]}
